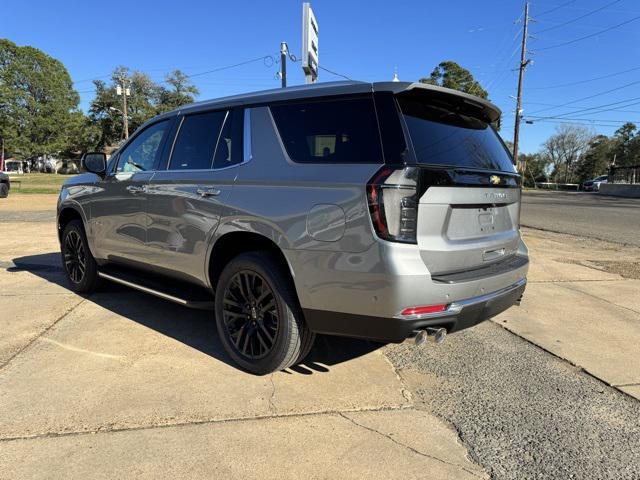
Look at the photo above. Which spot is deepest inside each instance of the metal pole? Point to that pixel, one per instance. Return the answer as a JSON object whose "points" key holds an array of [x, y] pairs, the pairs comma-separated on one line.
{"points": [[283, 63], [523, 64]]}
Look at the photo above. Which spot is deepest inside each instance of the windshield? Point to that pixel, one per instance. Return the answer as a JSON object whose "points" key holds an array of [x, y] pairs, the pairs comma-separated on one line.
{"points": [[441, 136]]}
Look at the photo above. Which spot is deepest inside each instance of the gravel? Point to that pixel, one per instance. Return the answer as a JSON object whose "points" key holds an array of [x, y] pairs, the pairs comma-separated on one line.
{"points": [[522, 412]]}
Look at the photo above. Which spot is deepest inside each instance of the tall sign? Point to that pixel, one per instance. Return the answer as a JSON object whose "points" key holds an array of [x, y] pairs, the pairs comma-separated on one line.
{"points": [[309, 44]]}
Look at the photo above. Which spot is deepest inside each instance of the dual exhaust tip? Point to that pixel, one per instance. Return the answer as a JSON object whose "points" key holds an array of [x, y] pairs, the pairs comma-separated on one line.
{"points": [[434, 335]]}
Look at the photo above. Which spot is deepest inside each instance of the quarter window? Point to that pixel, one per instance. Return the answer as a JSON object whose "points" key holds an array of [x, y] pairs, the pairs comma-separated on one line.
{"points": [[141, 154], [334, 131], [196, 142]]}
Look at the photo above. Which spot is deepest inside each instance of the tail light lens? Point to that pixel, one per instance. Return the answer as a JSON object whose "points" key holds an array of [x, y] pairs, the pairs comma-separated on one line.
{"points": [[392, 195]]}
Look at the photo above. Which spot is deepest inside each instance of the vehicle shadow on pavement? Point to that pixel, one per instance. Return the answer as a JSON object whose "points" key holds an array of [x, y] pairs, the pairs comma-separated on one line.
{"points": [[195, 328]]}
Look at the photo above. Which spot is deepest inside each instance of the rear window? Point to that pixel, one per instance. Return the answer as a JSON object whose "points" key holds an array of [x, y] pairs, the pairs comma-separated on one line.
{"points": [[196, 142], [331, 131], [441, 136]]}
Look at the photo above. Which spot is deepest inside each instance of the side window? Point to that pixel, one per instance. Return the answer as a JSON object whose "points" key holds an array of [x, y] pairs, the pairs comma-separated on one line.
{"points": [[140, 155], [331, 131], [228, 151], [196, 142]]}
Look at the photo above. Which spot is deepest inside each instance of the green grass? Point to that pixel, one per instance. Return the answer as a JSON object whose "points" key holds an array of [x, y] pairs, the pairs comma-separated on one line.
{"points": [[37, 183]]}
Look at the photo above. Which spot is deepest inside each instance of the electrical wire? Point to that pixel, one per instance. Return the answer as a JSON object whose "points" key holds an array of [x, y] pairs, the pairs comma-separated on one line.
{"points": [[600, 108], [589, 36], [577, 18], [570, 84], [588, 97], [556, 8], [334, 73]]}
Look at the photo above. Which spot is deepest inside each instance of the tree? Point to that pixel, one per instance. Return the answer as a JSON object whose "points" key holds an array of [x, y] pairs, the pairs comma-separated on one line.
{"points": [[180, 92], [38, 104], [537, 168], [627, 145], [451, 75], [565, 149], [596, 160]]}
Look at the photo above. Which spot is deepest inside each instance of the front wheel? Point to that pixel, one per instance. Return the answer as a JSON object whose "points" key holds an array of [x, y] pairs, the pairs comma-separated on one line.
{"points": [[77, 260], [259, 321]]}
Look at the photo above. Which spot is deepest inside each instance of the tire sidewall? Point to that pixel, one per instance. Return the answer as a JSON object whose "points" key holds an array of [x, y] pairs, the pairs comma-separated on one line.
{"points": [[270, 272], [89, 278]]}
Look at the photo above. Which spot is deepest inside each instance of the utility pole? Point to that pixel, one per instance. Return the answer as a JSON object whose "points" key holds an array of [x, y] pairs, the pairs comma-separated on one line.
{"points": [[122, 89], [284, 50], [523, 65]]}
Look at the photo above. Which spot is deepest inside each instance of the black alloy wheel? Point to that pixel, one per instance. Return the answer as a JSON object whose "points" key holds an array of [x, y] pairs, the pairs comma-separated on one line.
{"points": [[251, 315], [75, 257]]}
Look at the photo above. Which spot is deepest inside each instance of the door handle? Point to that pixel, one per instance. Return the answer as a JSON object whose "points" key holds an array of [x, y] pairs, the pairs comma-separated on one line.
{"points": [[208, 192], [136, 189]]}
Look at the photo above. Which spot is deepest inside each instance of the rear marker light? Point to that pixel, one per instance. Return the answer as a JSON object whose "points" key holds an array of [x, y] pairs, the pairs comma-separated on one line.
{"points": [[423, 310]]}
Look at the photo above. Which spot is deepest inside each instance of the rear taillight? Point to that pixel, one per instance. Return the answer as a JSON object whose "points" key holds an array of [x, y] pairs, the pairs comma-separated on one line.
{"points": [[392, 195]]}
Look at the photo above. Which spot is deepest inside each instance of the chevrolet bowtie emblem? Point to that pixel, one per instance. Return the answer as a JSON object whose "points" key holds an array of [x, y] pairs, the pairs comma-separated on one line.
{"points": [[494, 179]]}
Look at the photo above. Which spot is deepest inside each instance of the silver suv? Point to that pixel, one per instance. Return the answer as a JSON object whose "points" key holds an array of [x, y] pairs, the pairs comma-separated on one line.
{"points": [[380, 211]]}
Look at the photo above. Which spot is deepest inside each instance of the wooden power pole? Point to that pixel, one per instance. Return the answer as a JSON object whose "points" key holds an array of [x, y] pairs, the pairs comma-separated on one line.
{"points": [[523, 65], [124, 91]]}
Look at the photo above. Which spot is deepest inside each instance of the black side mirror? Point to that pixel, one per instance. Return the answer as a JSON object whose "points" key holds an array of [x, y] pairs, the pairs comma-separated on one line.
{"points": [[95, 162]]}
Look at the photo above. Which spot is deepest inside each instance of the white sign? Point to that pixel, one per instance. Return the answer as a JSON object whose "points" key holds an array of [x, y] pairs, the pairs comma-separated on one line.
{"points": [[309, 43]]}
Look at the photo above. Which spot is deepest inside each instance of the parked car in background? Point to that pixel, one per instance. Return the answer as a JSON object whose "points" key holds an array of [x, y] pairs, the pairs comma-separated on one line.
{"points": [[594, 185], [13, 167], [381, 211], [5, 185]]}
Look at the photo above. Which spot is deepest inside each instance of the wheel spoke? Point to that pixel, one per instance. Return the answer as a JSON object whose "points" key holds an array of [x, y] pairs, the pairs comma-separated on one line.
{"points": [[266, 332]]}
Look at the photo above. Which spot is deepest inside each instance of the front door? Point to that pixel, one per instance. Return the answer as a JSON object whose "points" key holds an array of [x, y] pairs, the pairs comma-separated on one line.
{"points": [[119, 212]]}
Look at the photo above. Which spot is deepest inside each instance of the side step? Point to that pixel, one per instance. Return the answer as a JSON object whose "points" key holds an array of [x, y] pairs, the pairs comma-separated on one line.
{"points": [[171, 292]]}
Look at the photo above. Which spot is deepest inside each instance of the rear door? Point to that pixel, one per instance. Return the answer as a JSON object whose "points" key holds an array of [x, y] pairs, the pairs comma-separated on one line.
{"points": [[188, 196], [468, 213]]}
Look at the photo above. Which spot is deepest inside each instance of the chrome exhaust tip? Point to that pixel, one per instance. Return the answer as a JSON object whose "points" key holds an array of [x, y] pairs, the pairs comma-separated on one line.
{"points": [[434, 335]]}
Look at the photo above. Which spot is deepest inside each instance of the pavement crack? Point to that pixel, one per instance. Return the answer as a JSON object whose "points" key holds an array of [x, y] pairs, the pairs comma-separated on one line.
{"points": [[42, 333], [272, 404], [408, 447], [601, 299]]}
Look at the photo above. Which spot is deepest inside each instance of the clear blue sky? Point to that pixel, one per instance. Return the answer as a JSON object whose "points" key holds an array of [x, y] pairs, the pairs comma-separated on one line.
{"points": [[363, 40]]}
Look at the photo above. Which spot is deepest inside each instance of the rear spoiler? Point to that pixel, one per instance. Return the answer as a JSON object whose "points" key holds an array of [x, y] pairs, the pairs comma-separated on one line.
{"points": [[472, 105]]}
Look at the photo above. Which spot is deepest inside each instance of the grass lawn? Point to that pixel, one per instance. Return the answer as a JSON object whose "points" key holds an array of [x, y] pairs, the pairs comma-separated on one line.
{"points": [[37, 183]]}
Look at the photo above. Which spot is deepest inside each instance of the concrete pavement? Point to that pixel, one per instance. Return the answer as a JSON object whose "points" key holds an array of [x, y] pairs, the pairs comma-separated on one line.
{"points": [[121, 384]]}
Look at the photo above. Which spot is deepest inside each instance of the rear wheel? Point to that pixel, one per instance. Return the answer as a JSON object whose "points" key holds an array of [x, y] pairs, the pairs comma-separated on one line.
{"points": [[77, 260], [4, 190], [257, 314]]}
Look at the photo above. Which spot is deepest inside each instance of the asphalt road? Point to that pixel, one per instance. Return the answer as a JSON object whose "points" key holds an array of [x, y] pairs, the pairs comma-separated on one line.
{"points": [[521, 412], [584, 214]]}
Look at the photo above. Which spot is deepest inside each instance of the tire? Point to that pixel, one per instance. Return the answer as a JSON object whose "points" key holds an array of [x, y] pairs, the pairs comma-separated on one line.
{"points": [[4, 190], [77, 261], [258, 317]]}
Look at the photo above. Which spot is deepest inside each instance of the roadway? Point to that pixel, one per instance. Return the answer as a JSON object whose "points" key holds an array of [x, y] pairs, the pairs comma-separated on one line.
{"points": [[584, 214]]}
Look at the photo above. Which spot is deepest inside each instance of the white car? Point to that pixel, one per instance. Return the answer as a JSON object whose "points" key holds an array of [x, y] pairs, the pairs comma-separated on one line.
{"points": [[594, 185]]}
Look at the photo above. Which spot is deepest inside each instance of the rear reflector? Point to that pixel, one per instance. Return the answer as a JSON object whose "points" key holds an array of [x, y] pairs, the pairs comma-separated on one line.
{"points": [[425, 309]]}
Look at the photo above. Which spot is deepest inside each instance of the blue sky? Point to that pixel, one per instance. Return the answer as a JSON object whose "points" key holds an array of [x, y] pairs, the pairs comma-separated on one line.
{"points": [[363, 40]]}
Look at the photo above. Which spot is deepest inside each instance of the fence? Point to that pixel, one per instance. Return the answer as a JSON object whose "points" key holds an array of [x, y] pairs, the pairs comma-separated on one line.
{"points": [[629, 175]]}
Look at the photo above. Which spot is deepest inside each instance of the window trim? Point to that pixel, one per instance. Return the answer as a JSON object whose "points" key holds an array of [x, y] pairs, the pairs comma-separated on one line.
{"points": [[131, 139], [181, 118], [328, 99]]}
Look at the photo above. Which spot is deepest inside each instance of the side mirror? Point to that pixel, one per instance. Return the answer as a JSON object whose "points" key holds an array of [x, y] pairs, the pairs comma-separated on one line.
{"points": [[95, 162]]}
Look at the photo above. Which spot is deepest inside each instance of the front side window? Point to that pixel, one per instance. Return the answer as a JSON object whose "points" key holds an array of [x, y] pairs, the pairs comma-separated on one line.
{"points": [[331, 131], [141, 154], [196, 142]]}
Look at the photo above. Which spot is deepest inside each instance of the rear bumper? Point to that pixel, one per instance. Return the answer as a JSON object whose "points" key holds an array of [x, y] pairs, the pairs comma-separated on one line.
{"points": [[458, 316]]}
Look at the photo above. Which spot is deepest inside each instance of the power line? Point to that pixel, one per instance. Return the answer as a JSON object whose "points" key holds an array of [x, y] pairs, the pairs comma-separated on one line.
{"points": [[589, 97], [533, 117], [556, 8], [554, 105], [577, 18], [600, 108], [334, 73], [589, 36], [570, 84]]}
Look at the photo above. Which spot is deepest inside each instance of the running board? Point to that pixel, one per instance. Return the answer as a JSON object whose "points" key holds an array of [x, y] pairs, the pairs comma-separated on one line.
{"points": [[186, 302]]}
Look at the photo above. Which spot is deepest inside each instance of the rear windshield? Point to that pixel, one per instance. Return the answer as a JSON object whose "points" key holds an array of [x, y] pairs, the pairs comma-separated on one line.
{"points": [[441, 136]]}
